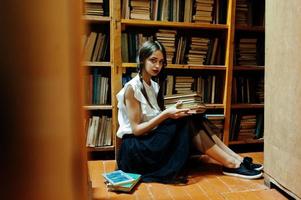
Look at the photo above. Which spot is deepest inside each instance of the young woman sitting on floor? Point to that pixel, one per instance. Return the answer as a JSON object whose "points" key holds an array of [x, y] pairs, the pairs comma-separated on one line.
{"points": [[156, 141]]}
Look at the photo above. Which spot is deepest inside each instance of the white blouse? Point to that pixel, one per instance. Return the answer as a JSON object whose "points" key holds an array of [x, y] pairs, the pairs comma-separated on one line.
{"points": [[147, 112]]}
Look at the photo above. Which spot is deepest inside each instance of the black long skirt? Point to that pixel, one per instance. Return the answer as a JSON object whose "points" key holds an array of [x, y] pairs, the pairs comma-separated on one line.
{"points": [[162, 154], [158, 156]]}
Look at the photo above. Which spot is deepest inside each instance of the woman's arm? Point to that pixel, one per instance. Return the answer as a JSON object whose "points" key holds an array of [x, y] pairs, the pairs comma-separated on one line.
{"points": [[134, 113]]}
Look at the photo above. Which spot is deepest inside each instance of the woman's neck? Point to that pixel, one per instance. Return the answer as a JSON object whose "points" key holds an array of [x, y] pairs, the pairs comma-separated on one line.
{"points": [[146, 78]]}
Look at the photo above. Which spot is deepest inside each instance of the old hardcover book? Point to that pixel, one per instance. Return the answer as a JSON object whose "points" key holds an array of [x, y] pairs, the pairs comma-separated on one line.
{"points": [[193, 101]]}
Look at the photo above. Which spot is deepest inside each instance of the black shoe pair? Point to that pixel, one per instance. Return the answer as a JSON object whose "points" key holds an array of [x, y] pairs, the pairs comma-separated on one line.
{"points": [[248, 163], [242, 172], [247, 170]]}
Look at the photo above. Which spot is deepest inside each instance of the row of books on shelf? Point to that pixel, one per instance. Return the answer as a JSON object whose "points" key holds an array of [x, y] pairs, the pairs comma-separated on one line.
{"points": [[209, 87], [247, 89], [97, 88], [98, 131], [96, 7], [249, 51], [95, 46], [249, 12], [246, 126], [199, 11], [180, 49], [218, 121], [198, 51]]}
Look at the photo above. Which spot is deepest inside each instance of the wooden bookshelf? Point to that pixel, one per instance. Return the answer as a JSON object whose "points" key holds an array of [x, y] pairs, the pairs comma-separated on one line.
{"points": [[104, 67], [181, 25], [182, 66], [96, 19], [248, 30], [223, 31], [226, 67]]}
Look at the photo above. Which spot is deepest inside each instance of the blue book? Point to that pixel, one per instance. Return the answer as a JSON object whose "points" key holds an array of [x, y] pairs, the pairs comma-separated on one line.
{"points": [[126, 187], [118, 177]]}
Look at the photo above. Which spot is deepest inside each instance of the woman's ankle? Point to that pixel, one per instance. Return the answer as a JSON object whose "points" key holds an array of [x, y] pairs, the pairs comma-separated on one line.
{"points": [[232, 164]]}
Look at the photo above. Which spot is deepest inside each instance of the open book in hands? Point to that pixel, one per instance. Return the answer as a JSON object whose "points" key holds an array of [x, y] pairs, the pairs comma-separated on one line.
{"points": [[192, 101]]}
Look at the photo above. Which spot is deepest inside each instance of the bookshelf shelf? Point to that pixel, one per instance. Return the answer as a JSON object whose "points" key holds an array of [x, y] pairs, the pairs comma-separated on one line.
{"points": [[97, 64], [129, 65], [98, 107], [248, 68], [247, 106], [98, 19], [250, 141], [180, 25], [182, 66], [250, 28], [214, 106], [98, 149], [207, 67]]}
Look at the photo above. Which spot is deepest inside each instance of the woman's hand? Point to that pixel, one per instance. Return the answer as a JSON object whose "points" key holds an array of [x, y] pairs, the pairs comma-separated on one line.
{"points": [[176, 113]]}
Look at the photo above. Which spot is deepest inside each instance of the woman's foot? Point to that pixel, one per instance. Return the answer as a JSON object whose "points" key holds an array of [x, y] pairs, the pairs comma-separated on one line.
{"points": [[248, 163], [242, 172]]}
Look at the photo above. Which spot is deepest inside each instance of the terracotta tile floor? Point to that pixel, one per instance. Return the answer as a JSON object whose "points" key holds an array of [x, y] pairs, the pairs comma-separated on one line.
{"points": [[205, 182]]}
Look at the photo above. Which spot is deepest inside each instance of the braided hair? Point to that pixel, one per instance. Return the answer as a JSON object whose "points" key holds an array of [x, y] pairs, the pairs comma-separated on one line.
{"points": [[146, 50]]}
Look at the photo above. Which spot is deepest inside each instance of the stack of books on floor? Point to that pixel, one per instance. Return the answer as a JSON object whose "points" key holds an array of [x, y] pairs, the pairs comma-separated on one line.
{"points": [[192, 101], [119, 181]]}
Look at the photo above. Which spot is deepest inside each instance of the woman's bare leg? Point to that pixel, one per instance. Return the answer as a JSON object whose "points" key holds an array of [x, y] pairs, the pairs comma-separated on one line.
{"points": [[226, 148], [207, 159], [221, 144], [226, 157], [217, 154]]}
